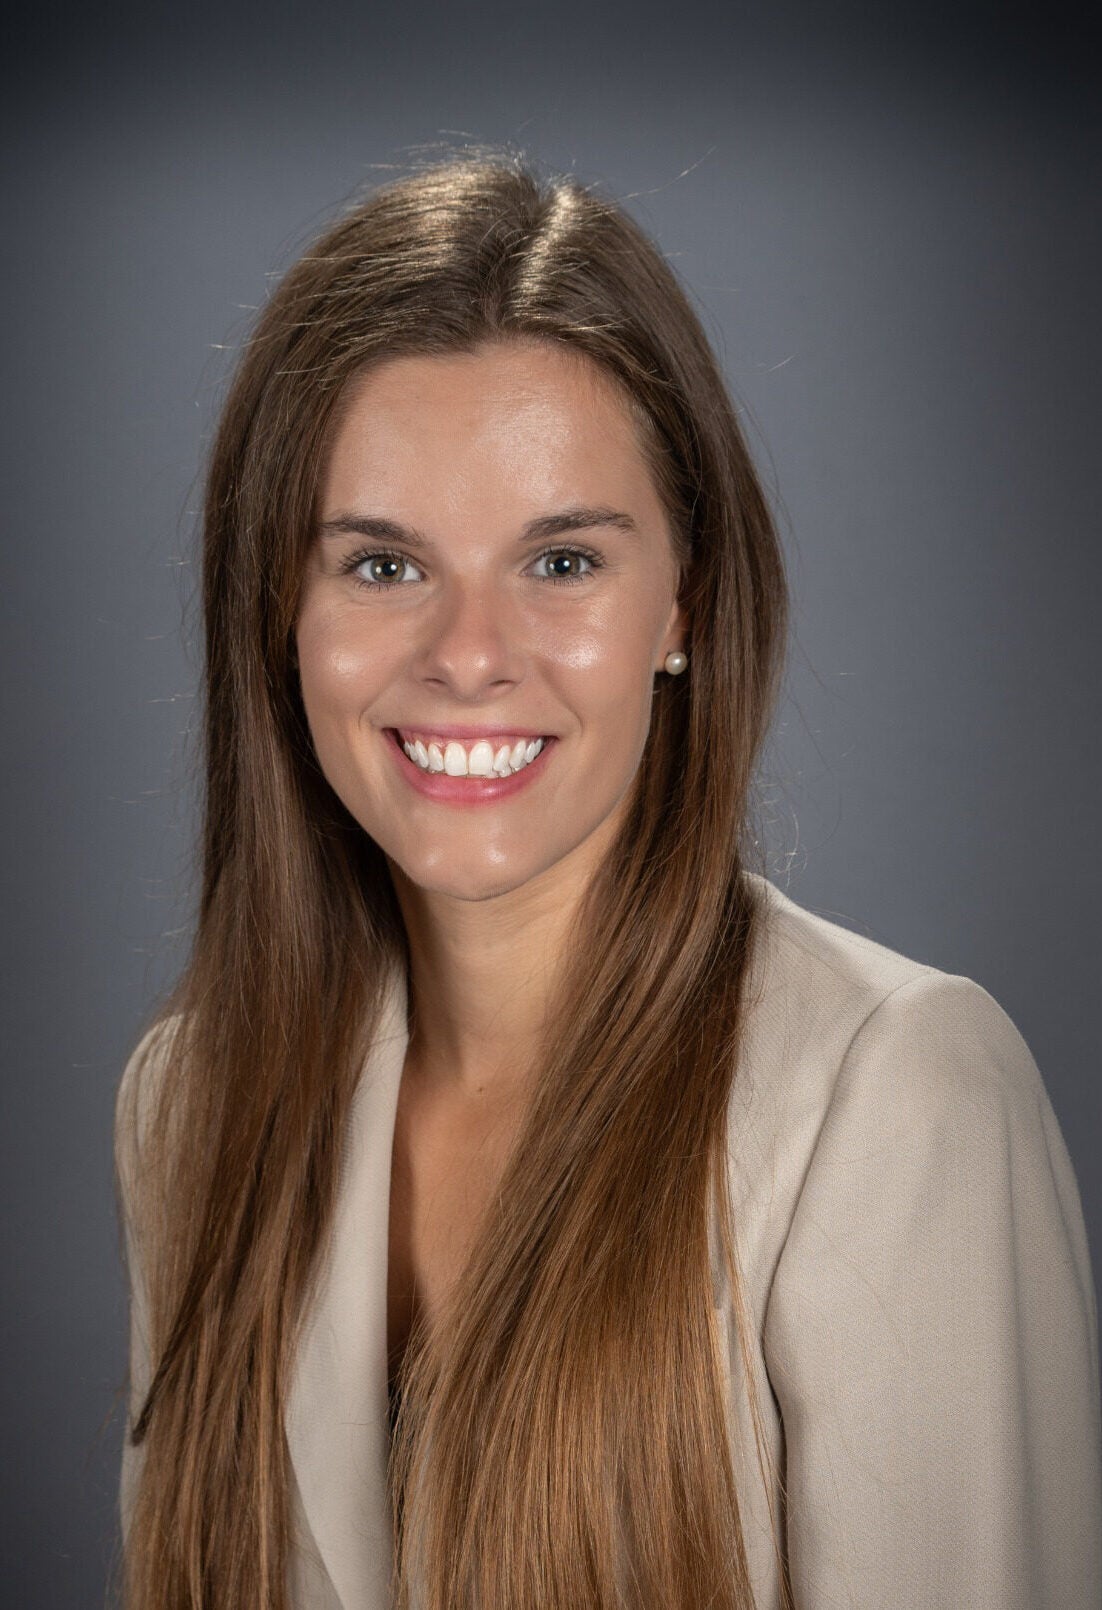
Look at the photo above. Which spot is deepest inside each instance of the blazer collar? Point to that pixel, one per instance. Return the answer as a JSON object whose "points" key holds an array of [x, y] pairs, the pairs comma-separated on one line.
{"points": [[337, 1425], [336, 1413]]}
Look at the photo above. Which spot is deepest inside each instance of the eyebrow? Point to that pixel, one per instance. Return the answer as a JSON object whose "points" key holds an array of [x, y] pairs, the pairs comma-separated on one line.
{"points": [[580, 518]]}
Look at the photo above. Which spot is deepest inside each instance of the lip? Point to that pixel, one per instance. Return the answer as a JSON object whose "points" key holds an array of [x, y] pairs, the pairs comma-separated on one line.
{"points": [[469, 790]]}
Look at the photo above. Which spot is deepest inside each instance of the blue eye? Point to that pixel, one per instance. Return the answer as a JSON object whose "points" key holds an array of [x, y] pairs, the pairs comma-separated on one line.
{"points": [[387, 557]]}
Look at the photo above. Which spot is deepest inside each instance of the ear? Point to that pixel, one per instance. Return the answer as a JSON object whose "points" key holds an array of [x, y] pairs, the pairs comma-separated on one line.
{"points": [[676, 635]]}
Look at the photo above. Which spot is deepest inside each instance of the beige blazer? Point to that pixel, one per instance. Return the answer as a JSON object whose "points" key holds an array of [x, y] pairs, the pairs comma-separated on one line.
{"points": [[917, 1268]]}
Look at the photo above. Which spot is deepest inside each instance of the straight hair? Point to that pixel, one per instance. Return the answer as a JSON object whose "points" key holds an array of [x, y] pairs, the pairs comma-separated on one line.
{"points": [[570, 1442]]}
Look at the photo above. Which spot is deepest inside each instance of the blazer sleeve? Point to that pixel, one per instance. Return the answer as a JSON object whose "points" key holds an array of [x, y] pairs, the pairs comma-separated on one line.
{"points": [[931, 1332], [132, 1105]]}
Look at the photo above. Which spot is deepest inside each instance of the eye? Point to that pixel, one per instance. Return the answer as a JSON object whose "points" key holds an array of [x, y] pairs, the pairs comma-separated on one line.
{"points": [[385, 562], [593, 560]]}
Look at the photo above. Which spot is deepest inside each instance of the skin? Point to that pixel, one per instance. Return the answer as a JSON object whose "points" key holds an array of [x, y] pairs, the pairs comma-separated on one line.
{"points": [[466, 449]]}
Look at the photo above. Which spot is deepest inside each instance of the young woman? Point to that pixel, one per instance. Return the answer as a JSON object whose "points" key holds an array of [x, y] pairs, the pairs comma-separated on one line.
{"points": [[701, 1251]]}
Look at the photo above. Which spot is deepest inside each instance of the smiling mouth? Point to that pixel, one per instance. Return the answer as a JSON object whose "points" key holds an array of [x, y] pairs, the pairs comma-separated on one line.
{"points": [[485, 759]]}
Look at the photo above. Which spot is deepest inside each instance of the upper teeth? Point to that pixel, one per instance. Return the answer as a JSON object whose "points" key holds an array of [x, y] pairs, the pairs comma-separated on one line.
{"points": [[481, 760]]}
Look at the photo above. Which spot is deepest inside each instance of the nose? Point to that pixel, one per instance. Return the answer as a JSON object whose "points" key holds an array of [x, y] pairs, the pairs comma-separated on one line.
{"points": [[471, 642]]}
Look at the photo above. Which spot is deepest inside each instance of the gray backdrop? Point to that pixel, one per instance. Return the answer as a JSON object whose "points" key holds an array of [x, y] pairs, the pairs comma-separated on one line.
{"points": [[891, 229]]}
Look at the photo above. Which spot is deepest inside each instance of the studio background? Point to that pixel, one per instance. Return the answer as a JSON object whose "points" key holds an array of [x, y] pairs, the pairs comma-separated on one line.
{"points": [[891, 229]]}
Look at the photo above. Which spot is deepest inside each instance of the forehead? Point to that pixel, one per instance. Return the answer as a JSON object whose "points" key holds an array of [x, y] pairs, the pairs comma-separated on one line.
{"points": [[529, 416]]}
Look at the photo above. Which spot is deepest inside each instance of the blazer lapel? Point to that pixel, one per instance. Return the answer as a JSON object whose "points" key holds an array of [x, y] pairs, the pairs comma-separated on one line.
{"points": [[336, 1414]]}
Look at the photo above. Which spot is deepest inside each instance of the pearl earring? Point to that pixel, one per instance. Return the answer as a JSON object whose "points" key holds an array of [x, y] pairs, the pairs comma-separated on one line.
{"points": [[676, 662]]}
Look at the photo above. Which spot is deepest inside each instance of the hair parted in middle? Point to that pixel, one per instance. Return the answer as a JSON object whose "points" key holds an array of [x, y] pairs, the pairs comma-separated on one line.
{"points": [[564, 1438]]}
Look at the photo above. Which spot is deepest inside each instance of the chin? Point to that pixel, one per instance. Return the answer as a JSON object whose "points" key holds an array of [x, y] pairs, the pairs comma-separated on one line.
{"points": [[462, 883]]}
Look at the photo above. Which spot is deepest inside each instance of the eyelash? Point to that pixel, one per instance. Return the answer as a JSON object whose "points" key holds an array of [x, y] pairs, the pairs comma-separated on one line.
{"points": [[355, 560]]}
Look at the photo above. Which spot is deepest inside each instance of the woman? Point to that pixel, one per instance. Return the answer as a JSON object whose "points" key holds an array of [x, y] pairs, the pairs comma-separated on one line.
{"points": [[706, 1252]]}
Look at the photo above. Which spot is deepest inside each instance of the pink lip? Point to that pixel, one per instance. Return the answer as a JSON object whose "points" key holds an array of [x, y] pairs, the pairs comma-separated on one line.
{"points": [[468, 790]]}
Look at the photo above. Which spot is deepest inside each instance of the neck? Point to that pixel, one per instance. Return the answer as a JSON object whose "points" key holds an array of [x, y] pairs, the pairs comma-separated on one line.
{"points": [[483, 978]]}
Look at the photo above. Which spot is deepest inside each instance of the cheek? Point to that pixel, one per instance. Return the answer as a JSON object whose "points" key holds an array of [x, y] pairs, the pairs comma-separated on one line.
{"points": [[608, 630], [339, 669], [608, 663]]}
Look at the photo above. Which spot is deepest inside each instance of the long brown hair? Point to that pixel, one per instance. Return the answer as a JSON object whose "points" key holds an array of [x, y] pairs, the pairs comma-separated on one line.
{"points": [[570, 1444]]}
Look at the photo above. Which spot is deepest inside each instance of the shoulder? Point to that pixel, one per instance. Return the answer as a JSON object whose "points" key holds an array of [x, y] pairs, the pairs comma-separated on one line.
{"points": [[840, 1005], [858, 1064], [919, 1272], [892, 1118], [137, 1096], [827, 964]]}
